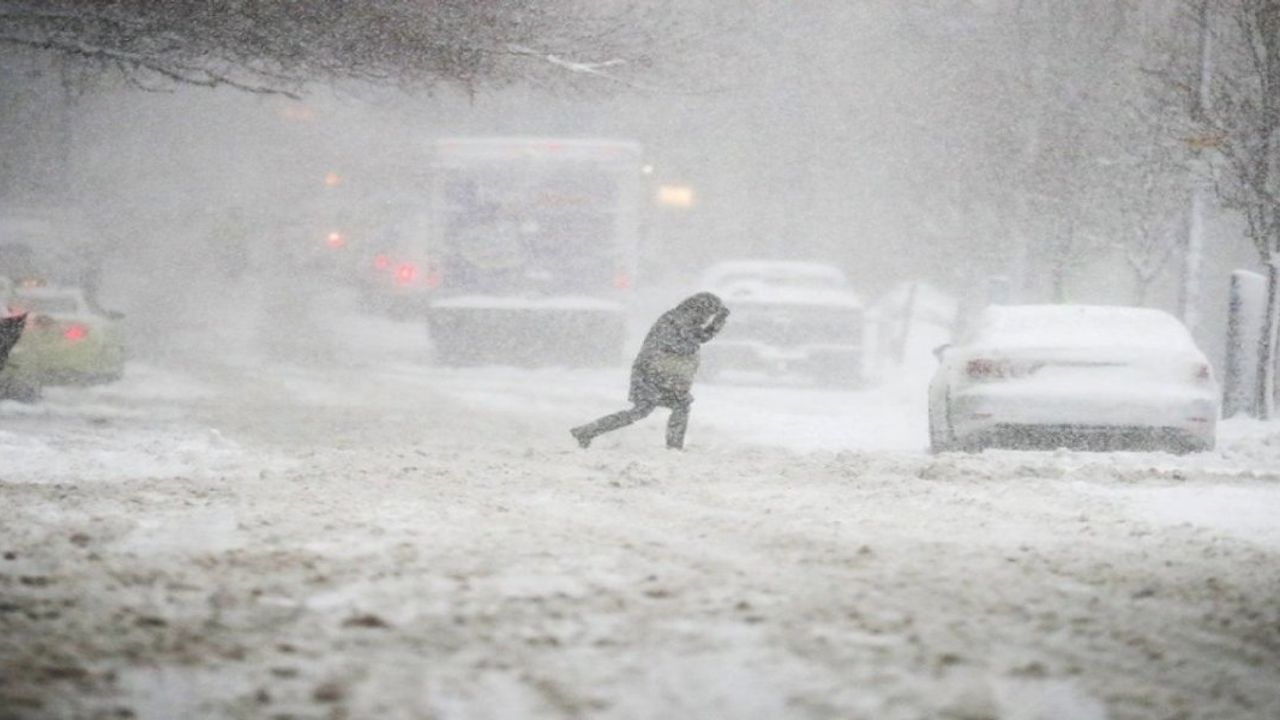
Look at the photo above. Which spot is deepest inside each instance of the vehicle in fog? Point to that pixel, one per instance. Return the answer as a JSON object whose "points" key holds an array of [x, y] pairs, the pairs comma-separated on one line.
{"points": [[535, 244], [1075, 376], [791, 319], [324, 246], [66, 341], [394, 273]]}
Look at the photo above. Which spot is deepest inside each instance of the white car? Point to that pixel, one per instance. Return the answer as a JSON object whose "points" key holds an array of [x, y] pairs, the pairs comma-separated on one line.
{"points": [[790, 319], [1076, 376]]}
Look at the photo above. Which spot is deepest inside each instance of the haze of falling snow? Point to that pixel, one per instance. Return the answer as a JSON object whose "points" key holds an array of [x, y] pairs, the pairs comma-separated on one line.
{"points": [[291, 505], [902, 141]]}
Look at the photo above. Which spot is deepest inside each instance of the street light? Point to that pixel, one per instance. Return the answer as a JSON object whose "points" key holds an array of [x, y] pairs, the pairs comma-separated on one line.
{"points": [[675, 196]]}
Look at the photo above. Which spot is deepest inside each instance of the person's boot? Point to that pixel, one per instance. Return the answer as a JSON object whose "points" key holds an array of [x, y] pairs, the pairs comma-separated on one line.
{"points": [[582, 435]]}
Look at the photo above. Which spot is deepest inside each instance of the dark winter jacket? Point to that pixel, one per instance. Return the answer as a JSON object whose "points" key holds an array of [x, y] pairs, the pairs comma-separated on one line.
{"points": [[663, 371]]}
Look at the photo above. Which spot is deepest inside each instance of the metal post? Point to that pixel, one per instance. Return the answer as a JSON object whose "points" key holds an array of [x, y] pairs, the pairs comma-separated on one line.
{"points": [[1245, 313]]}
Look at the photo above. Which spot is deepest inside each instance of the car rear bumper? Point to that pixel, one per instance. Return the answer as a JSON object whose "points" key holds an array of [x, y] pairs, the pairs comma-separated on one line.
{"points": [[56, 366], [1156, 417], [1101, 438]]}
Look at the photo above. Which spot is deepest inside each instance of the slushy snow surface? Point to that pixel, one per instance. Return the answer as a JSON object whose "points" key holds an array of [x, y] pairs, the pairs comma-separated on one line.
{"points": [[364, 535]]}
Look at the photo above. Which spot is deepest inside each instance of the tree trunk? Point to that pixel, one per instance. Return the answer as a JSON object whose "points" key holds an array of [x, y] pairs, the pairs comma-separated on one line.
{"points": [[1193, 252], [1266, 386], [1143, 277], [1194, 248]]}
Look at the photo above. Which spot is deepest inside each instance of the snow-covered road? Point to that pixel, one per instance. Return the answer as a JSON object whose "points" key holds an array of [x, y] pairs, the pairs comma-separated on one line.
{"points": [[376, 538]]}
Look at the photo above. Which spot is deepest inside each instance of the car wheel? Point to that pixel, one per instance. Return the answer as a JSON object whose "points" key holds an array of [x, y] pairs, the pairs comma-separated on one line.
{"points": [[1188, 447], [19, 390]]}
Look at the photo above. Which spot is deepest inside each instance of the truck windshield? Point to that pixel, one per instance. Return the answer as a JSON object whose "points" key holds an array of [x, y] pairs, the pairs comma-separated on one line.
{"points": [[547, 227]]}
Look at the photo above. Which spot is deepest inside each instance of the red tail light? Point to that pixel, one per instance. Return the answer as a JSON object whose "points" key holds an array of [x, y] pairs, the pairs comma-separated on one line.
{"points": [[986, 369], [335, 240], [993, 369], [74, 333], [406, 273], [381, 262], [621, 280]]}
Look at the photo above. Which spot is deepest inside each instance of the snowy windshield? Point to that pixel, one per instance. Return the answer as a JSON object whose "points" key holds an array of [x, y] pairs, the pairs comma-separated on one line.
{"points": [[553, 224]]}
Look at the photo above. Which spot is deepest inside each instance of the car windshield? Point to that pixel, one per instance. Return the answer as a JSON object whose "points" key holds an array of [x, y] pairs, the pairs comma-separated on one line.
{"points": [[785, 279]]}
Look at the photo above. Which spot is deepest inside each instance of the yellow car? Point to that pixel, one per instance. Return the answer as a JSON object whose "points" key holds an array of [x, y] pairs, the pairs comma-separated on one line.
{"points": [[66, 341]]}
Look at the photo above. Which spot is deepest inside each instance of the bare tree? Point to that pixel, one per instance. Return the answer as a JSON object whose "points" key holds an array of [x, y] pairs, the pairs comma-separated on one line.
{"points": [[1032, 155], [1073, 56], [1150, 234], [1149, 184], [278, 46], [1238, 118]]}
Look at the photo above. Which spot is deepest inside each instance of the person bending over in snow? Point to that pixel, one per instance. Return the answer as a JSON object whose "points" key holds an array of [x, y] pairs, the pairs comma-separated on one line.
{"points": [[663, 370]]}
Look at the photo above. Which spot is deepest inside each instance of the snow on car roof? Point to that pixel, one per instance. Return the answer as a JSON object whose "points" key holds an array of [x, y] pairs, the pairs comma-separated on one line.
{"points": [[1024, 326], [753, 291], [773, 270]]}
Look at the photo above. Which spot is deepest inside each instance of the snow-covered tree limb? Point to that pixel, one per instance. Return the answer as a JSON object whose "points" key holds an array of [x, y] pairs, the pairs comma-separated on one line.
{"points": [[280, 46]]}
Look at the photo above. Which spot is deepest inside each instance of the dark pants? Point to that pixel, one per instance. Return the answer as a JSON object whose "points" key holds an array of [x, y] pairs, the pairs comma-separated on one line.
{"points": [[676, 424]]}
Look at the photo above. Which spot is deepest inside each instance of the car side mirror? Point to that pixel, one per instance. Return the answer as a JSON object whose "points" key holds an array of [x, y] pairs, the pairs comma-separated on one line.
{"points": [[941, 350]]}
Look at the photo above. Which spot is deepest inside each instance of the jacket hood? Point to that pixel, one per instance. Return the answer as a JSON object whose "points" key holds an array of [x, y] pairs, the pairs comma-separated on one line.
{"points": [[703, 305]]}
